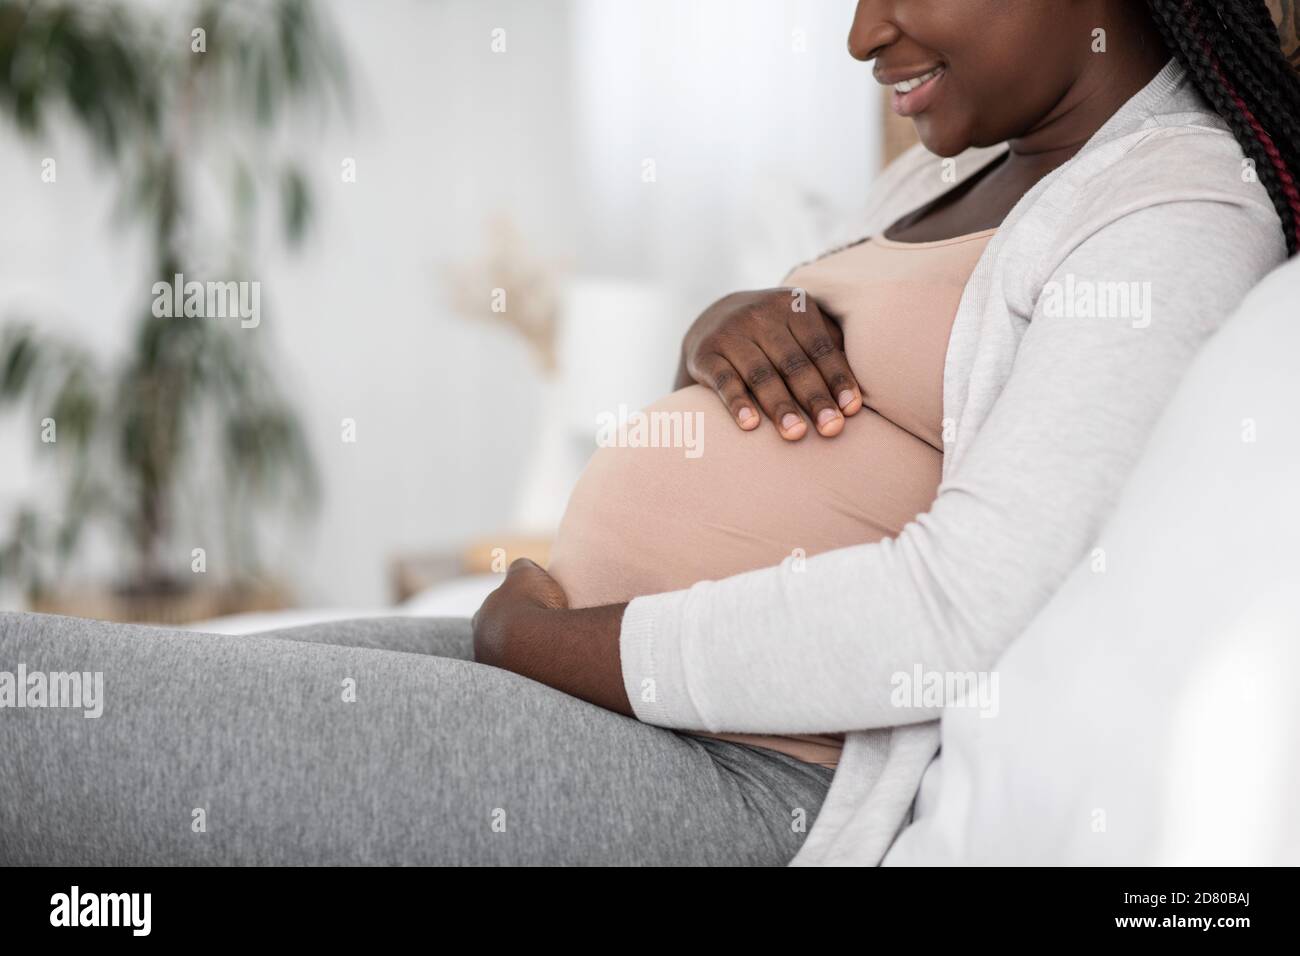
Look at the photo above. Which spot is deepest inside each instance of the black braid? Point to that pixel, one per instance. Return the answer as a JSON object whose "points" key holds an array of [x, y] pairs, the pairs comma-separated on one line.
{"points": [[1233, 53]]}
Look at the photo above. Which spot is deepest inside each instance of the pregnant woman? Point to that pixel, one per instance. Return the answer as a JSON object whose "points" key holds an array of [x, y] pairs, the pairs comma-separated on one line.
{"points": [[918, 436]]}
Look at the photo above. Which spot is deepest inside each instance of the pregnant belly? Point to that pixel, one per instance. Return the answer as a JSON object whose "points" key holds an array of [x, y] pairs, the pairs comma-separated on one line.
{"points": [[646, 520]]}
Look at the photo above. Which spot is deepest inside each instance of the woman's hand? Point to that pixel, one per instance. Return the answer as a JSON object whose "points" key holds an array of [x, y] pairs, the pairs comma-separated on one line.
{"points": [[525, 626], [504, 625], [775, 350]]}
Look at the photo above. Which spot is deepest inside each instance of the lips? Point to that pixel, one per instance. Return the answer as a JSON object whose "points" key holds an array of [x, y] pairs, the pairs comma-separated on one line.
{"points": [[915, 93]]}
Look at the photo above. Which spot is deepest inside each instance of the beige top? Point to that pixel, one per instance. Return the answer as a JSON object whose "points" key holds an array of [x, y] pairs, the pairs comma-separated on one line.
{"points": [[647, 520]]}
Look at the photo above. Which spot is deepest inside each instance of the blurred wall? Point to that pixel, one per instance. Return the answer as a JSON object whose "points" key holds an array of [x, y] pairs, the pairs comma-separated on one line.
{"points": [[763, 132], [764, 139]]}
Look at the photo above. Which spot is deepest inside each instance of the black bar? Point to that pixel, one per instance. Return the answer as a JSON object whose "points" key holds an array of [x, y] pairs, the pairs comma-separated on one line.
{"points": [[333, 905]]}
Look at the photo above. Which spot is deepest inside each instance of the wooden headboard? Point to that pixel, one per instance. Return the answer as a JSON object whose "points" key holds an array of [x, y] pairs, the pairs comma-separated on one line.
{"points": [[900, 134]]}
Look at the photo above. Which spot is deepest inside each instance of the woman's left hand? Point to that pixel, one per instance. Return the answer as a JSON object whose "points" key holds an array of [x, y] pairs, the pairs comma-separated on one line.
{"points": [[510, 616], [526, 626]]}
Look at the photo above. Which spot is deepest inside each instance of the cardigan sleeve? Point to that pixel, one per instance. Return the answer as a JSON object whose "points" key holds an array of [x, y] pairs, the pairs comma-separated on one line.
{"points": [[817, 649]]}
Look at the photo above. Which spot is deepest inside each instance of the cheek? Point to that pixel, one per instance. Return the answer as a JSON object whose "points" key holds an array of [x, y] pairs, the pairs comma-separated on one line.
{"points": [[1017, 103], [1003, 93], [995, 91]]}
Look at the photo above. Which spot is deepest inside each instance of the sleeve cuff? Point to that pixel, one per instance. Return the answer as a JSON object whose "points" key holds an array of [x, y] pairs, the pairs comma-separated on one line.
{"points": [[654, 671]]}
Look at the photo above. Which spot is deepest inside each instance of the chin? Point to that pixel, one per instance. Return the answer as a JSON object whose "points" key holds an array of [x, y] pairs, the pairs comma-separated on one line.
{"points": [[943, 145], [941, 139]]}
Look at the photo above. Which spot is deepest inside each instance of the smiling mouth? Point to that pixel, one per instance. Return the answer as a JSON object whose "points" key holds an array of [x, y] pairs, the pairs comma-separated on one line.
{"points": [[915, 95], [907, 86]]}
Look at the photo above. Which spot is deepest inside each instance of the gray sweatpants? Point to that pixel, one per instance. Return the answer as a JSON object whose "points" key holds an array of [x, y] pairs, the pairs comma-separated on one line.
{"points": [[363, 742]]}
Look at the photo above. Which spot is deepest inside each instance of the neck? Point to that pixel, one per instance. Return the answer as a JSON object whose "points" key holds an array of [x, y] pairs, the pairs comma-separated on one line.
{"points": [[1106, 82]]}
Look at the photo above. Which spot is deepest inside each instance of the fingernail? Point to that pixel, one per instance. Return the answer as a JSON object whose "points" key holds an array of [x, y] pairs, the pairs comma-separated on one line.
{"points": [[746, 416], [790, 422], [846, 398], [826, 416]]}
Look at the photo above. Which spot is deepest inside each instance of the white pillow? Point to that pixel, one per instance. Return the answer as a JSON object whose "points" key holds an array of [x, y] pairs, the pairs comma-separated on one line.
{"points": [[1149, 715]]}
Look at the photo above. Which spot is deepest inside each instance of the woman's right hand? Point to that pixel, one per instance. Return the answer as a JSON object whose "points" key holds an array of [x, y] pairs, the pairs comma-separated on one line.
{"points": [[773, 350]]}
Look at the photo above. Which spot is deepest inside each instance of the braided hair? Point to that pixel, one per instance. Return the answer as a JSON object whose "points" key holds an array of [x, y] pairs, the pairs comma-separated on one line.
{"points": [[1232, 50]]}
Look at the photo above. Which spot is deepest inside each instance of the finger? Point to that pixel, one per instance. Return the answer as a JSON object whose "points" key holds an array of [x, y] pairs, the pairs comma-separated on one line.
{"points": [[837, 333], [823, 342], [536, 584], [767, 386], [715, 372], [803, 379]]}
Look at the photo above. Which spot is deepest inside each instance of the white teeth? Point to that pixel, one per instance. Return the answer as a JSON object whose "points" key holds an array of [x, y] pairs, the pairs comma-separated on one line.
{"points": [[907, 86]]}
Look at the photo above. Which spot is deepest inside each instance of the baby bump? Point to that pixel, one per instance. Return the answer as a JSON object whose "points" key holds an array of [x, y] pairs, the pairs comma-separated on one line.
{"points": [[684, 496]]}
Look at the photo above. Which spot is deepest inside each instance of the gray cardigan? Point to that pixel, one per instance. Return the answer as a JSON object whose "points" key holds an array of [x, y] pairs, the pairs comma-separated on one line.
{"points": [[1052, 383]]}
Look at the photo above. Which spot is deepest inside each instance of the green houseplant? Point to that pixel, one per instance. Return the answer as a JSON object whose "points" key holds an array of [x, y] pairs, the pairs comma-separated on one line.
{"points": [[164, 96]]}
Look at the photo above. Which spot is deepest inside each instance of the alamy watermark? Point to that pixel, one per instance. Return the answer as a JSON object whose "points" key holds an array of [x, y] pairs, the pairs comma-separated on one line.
{"points": [[75, 908], [933, 689], [1076, 298], [78, 690], [654, 429], [208, 300]]}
